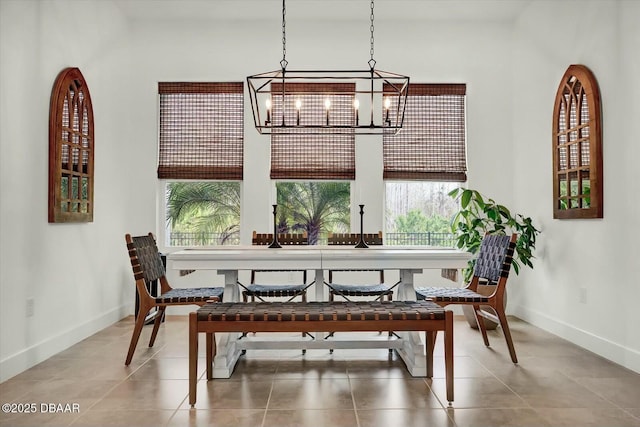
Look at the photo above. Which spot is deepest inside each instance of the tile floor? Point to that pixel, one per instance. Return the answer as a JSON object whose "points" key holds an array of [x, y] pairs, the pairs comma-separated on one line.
{"points": [[555, 384]]}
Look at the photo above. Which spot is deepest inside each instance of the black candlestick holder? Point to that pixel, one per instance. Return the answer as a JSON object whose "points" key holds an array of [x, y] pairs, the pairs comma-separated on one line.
{"points": [[275, 243], [361, 243]]}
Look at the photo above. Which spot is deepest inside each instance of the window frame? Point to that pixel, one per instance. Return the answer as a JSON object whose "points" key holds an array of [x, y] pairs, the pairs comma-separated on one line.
{"points": [[197, 172]]}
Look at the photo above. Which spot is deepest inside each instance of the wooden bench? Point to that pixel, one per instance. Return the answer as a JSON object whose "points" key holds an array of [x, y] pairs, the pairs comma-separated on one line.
{"points": [[325, 316]]}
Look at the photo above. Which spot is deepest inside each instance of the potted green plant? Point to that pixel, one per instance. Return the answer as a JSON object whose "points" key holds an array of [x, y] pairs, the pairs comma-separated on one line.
{"points": [[479, 215]]}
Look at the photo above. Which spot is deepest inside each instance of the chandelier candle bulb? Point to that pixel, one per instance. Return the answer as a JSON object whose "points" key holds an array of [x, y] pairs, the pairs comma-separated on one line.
{"points": [[298, 106], [387, 105], [356, 106], [327, 106], [267, 104]]}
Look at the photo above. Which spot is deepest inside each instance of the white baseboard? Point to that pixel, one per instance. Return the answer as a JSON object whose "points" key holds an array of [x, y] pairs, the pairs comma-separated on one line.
{"points": [[31, 356], [624, 356]]}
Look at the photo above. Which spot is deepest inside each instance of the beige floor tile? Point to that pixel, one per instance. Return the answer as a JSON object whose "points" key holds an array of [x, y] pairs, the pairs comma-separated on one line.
{"points": [[634, 411], [176, 368], [13, 389], [227, 394], [37, 419], [310, 418], [331, 393], [68, 389], [404, 418], [497, 417], [145, 395], [138, 418], [587, 417], [557, 392], [217, 418], [464, 367], [478, 393], [393, 393], [248, 369], [623, 392], [389, 368], [311, 369]]}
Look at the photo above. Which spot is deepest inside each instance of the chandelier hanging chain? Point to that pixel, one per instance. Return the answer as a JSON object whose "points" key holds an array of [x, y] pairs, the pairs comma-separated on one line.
{"points": [[372, 62], [284, 62]]}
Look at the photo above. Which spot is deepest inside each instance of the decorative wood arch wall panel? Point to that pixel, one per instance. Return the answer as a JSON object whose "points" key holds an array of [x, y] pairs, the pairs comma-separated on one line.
{"points": [[71, 149], [577, 146]]}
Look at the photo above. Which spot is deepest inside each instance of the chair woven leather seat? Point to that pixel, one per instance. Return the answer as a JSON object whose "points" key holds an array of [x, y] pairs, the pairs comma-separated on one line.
{"points": [[321, 311], [275, 290], [189, 295], [452, 295], [361, 290]]}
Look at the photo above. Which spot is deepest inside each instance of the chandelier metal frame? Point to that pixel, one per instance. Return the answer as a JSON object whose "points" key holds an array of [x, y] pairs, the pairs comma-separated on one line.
{"points": [[380, 97]]}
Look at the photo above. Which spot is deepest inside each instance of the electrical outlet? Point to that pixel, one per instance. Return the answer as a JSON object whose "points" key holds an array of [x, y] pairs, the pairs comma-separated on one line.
{"points": [[31, 307], [583, 295]]}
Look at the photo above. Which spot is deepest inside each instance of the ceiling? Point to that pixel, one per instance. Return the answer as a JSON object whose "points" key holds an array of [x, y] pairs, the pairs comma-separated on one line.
{"points": [[426, 10]]}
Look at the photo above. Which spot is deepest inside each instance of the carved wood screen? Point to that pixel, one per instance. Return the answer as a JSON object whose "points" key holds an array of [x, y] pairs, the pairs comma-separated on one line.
{"points": [[577, 146], [71, 148]]}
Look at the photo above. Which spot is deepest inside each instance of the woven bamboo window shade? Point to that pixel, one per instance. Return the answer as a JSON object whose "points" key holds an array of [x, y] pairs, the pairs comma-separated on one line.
{"points": [[201, 131], [307, 153], [432, 143]]}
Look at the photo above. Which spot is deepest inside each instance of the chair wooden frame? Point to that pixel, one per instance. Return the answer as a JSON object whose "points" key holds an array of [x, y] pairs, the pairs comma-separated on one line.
{"points": [[485, 270], [147, 266]]}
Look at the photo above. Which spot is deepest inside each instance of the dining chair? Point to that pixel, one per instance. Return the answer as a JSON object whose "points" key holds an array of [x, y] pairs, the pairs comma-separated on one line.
{"points": [[147, 266], [277, 290], [274, 290], [346, 290], [492, 266], [379, 290]]}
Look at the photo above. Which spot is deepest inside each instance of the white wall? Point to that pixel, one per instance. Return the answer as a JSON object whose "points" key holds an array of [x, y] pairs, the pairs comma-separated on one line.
{"points": [[598, 257], [77, 274], [511, 75]]}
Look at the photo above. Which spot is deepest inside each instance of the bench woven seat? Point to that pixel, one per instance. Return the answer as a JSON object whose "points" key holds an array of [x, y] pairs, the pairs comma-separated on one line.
{"points": [[324, 316], [323, 311], [452, 295], [186, 295]]}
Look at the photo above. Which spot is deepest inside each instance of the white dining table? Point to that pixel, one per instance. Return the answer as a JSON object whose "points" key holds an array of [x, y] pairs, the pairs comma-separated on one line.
{"points": [[408, 260]]}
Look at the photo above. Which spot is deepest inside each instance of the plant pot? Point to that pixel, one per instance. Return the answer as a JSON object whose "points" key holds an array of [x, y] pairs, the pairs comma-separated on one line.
{"points": [[468, 310]]}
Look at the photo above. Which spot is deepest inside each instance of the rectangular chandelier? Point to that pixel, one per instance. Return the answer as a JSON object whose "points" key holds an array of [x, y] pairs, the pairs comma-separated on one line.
{"points": [[369, 102]]}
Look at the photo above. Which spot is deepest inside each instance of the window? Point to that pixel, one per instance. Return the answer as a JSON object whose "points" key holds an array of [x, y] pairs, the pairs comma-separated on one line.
{"points": [[201, 142], [314, 154], [419, 213], [203, 213], [423, 163], [315, 207], [577, 146], [71, 149]]}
